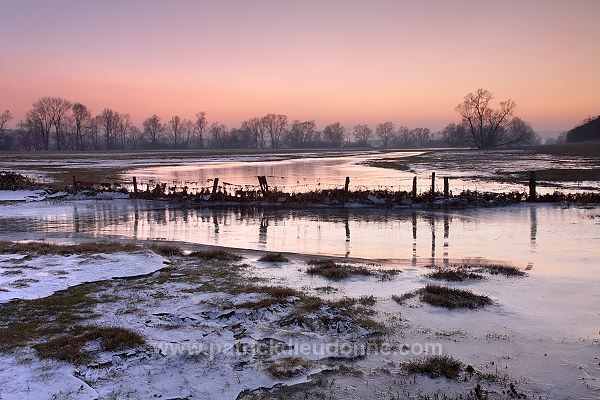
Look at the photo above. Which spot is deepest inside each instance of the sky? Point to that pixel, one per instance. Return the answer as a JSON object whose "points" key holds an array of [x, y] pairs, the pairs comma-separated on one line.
{"points": [[409, 62]]}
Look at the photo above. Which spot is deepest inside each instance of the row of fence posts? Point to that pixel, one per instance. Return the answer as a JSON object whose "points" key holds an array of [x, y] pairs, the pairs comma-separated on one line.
{"points": [[264, 186]]}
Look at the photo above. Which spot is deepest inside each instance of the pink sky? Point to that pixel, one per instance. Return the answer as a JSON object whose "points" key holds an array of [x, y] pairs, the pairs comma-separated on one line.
{"points": [[410, 62]]}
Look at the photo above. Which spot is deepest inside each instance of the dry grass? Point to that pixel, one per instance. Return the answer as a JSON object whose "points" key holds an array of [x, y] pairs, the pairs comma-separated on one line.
{"points": [[331, 270], [43, 248], [166, 250], [13, 181], [273, 258], [287, 367], [500, 270], [453, 275], [442, 296], [220, 255], [71, 347], [435, 366]]}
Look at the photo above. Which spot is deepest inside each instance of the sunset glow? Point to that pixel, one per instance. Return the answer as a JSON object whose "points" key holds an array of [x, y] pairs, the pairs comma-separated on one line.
{"points": [[348, 61]]}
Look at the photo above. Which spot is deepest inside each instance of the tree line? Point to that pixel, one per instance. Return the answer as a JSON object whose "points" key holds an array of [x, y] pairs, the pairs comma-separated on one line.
{"points": [[54, 123]]}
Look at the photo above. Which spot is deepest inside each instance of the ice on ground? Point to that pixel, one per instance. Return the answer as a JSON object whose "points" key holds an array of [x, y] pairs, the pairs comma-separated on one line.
{"points": [[22, 195], [27, 277], [23, 380]]}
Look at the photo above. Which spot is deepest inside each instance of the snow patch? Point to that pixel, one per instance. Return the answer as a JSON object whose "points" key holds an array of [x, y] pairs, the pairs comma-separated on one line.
{"points": [[25, 278]]}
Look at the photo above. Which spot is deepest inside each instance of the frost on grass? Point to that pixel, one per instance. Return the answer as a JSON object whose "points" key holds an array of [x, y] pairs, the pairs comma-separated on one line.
{"points": [[442, 296]]}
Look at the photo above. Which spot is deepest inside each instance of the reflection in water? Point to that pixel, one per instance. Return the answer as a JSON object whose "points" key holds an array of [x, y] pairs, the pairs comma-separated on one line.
{"points": [[508, 234], [532, 233]]}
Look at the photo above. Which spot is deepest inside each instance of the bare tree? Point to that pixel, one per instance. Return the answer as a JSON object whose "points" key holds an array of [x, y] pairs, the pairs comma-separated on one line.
{"points": [[275, 125], [4, 118], [301, 134], [82, 117], [362, 134], [334, 134], [123, 130], [59, 109], [255, 130], [174, 127], [386, 133], [455, 135], [421, 137], [39, 121], [200, 126], [153, 129], [217, 135], [187, 133], [487, 126], [522, 133], [109, 122]]}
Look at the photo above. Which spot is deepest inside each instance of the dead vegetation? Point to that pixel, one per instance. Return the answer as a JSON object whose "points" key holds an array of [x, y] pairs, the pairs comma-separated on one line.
{"points": [[331, 270], [462, 272], [44, 248], [13, 181], [72, 347], [442, 296], [220, 255], [287, 367], [435, 366], [273, 258]]}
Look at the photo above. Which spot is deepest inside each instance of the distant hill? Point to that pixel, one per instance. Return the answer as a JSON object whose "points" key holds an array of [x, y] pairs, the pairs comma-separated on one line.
{"points": [[589, 130]]}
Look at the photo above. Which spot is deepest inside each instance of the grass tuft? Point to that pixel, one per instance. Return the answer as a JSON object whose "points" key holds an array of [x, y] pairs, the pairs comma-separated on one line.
{"points": [[273, 257], [71, 347], [166, 250], [287, 367], [442, 296], [453, 275], [43, 248], [434, 366], [330, 270], [219, 255]]}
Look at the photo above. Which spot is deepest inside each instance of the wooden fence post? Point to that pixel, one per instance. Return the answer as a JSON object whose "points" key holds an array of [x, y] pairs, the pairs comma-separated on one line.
{"points": [[532, 186], [264, 186], [432, 182], [446, 187], [75, 187], [134, 185], [347, 184], [414, 188], [215, 184]]}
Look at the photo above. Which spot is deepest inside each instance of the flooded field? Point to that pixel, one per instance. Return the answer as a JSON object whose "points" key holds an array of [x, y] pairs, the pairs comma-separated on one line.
{"points": [[497, 171], [235, 327], [549, 237]]}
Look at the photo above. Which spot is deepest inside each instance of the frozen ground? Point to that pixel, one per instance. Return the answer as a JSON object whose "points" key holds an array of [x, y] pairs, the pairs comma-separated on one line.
{"points": [[31, 277], [207, 341]]}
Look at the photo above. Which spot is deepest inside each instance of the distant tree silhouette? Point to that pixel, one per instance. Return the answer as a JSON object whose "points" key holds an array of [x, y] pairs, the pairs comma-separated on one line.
{"points": [[200, 128], [386, 133], [275, 125], [4, 118], [362, 134], [81, 117], [589, 129], [153, 130], [487, 127], [334, 134]]}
